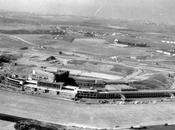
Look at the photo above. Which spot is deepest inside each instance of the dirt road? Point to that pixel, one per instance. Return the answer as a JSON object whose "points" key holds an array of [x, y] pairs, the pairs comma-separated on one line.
{"points": [[23, 40]]}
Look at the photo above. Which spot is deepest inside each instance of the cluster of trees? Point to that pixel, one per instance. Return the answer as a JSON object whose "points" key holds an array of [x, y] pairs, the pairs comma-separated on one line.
{"points": [[7, 58], [33, 125]]}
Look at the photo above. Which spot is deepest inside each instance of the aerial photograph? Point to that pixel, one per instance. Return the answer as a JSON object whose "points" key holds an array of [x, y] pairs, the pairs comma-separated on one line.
{"points": [[87, 65]]}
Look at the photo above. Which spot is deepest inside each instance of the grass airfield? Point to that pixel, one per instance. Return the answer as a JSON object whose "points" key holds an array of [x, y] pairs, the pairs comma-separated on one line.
{"points": [[92, 116]]}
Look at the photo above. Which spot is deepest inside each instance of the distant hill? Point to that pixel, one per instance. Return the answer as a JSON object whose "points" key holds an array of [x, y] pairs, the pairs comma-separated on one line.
{"points": [[159, 11], [23, 18]]}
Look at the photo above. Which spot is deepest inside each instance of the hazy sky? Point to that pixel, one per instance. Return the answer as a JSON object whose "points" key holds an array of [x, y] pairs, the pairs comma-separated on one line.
{"points": [[156, 10]]}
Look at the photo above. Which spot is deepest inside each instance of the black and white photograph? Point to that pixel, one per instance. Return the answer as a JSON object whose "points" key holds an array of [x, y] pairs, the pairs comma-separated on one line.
{"points": [[87, 65]]}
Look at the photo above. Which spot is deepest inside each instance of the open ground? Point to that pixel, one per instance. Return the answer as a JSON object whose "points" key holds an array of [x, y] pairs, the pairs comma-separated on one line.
{"points": [[95, 116]]}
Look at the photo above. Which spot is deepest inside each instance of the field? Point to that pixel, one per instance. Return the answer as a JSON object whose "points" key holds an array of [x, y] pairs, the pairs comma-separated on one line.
{"points": [[83, 46], [101, 116], [9, 42], [6, 125]]}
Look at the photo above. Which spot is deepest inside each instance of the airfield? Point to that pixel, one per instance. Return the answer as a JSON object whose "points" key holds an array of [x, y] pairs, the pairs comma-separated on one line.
{"points": [[90, 116]]}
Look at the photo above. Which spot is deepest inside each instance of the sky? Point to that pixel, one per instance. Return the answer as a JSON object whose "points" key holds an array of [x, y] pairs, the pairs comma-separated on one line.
{"points": [[152, 10]]}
